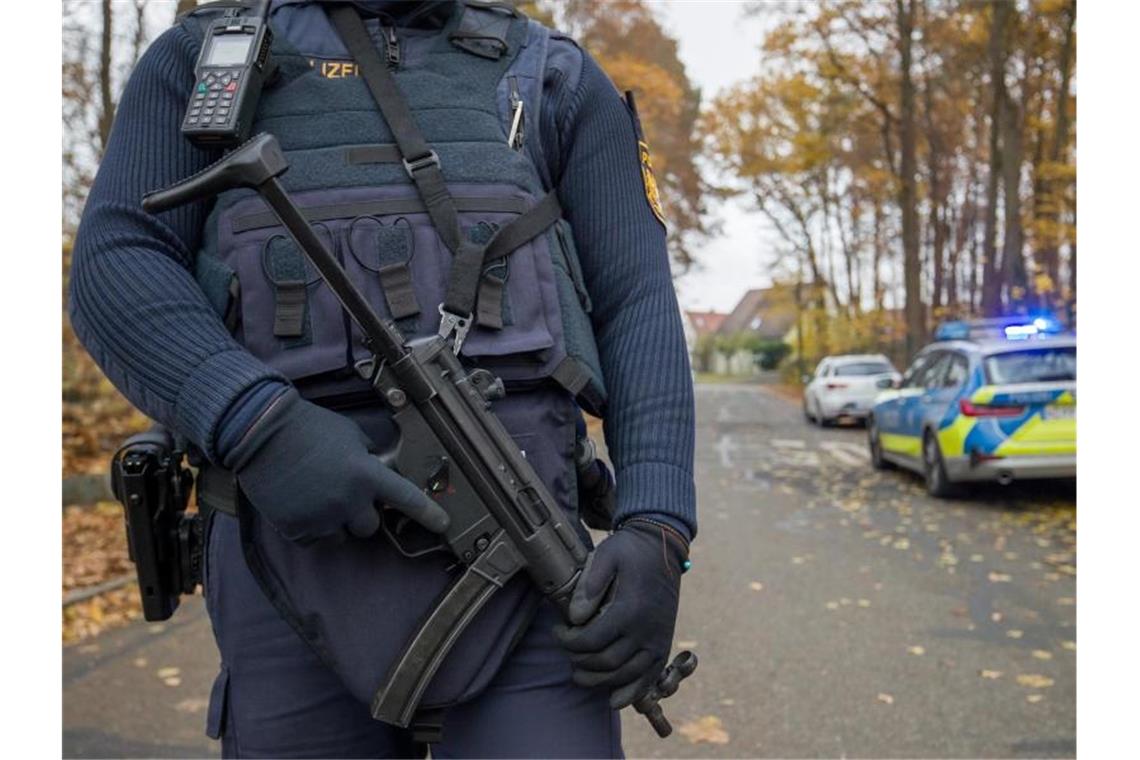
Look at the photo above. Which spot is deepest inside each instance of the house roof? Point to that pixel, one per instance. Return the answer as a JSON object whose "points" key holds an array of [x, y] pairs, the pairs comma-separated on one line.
{"points": [[769, 312], [705, 322]]}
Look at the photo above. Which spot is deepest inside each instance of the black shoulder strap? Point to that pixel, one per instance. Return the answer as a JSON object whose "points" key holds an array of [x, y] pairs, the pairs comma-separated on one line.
{"points": [[423, 166]]}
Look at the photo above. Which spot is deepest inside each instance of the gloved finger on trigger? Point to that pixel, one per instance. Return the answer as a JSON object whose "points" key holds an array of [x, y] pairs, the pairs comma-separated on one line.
{"points": [[598, 576], [401, 494], [630, 693], [609, 659]]}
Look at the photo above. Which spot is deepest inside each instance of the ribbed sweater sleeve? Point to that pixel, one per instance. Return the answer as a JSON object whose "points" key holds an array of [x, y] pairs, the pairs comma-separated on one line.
{"points": [[637, 322], [134, 302]]}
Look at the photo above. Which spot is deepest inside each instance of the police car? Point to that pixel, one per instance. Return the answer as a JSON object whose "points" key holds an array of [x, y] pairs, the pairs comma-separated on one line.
{"points": [[989, 400]]}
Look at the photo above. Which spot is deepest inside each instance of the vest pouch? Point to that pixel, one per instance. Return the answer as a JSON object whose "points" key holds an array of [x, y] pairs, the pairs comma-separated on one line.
{"points": [[357, 603], [397, 239], [289, 317], [381, 261]]}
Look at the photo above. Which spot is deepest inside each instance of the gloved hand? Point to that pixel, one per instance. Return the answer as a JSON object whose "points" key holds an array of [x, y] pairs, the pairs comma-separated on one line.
{"points": [[624, 609], [312, 474]]}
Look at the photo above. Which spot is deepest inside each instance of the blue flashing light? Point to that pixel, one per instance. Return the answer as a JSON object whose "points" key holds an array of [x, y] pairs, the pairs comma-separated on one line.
{"points": [[1022, 332]]}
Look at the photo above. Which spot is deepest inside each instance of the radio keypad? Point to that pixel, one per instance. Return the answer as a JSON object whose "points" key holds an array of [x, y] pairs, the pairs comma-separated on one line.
{"points": [[213, 96]]}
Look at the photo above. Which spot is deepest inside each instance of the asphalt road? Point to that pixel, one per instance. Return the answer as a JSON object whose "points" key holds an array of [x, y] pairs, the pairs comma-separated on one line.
{"points": [[837, 612]]}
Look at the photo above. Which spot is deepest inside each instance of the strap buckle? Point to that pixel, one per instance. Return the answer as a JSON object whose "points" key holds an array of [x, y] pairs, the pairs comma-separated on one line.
{"points": [[457, 324], [411, 166]]}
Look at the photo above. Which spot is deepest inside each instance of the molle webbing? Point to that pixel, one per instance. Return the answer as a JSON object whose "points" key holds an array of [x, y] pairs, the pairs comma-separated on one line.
{"points": [[423, 166]]}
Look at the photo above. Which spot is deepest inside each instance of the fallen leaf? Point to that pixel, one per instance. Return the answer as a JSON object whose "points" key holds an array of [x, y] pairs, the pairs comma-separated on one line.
{"points": [[832, 605], [140, 662], [902, 544], [168, 672], [1013, 633], [1034, 698], [728, 702], [1041, 654], [991, 674], [707, 729], [1070, 645], [886, 699], [996, 617], [1034, 681], [756, 586], [917, 650], [193, 705], [977, 558], [845, 601], [1066, 601], [999, 577], [686, 644], [864, 602], [797, 560]]}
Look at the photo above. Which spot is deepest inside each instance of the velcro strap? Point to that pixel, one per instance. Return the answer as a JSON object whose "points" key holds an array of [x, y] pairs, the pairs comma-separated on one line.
{"points": [[571, 375], [396, 281], [289, 308], [490, 311]]}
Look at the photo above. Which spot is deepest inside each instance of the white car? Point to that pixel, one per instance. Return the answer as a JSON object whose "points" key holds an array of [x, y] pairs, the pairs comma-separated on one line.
{"points": [[846, 386]]}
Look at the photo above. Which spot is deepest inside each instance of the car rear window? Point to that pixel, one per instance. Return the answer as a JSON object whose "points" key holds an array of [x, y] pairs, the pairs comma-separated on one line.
{"points": [[864, 368], [1038, 365]]}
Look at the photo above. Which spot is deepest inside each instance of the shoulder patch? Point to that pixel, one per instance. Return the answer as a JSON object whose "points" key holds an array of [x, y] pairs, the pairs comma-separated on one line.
{"points": [[648, 178]]}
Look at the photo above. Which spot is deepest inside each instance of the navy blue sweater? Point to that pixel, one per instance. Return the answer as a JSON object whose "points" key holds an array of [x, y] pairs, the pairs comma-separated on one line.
{"points": [[137, 309]]}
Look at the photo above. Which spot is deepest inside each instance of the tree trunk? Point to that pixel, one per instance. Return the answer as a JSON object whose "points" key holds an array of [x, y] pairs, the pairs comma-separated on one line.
{"points": [[937, 210], [877, 289], [106, 103], [1050, 255], [991, 285], [912, 270], [1013, 255]]}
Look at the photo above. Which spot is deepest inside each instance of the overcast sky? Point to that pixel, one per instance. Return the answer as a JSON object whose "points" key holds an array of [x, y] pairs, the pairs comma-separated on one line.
{"points": [[719, 47]]}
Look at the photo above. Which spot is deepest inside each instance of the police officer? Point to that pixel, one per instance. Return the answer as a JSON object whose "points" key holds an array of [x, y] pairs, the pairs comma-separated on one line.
{"points": [[208, 319]]}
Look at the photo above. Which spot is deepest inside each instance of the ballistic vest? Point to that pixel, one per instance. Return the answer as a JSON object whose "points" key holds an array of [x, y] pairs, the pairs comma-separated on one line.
{"points": [[474, 88]]}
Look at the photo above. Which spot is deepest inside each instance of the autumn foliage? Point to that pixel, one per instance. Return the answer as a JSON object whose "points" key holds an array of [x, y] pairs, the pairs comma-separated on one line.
{"points": [[914, 158]]}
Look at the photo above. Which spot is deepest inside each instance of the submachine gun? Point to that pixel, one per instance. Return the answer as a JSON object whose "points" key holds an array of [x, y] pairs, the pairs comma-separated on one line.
{"points": [[503, 519]]}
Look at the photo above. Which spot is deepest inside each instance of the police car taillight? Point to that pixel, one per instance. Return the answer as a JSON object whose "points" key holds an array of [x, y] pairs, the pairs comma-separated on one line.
{"points": [[971, 409]]}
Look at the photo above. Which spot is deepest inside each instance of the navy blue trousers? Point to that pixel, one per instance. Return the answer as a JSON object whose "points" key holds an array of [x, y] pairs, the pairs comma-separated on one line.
{"points": [[275, 698]]}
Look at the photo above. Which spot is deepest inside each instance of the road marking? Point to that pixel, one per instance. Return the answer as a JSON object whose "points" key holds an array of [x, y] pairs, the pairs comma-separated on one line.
{"points": [[848, 453], [786, 443]]}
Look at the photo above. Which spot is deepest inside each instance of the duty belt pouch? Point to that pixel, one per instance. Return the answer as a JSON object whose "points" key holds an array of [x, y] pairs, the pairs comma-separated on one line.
{"points": [[357, 603]]}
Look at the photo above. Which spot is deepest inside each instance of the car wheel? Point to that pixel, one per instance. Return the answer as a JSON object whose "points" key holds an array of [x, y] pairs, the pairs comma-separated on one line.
{"points": [[937, 484], [876, 446]]}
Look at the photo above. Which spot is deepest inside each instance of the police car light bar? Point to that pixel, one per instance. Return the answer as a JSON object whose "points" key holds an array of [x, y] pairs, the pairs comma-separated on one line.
{"points": [[1010, 328]]}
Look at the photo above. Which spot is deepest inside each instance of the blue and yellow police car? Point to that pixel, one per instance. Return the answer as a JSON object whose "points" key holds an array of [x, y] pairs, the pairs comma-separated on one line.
{"points": [[988, 400]]}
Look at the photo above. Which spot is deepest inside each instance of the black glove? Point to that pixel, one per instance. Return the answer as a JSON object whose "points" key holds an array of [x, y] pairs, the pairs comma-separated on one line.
{"points": [[312, 474], [624, 609]]}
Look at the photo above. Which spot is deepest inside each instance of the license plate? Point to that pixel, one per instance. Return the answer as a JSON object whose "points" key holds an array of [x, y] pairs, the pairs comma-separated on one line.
{"points": [[1059, 412]]}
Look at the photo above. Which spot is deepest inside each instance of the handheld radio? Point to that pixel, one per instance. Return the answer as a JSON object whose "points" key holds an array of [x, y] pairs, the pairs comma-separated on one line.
{"points": [[229, 75]]}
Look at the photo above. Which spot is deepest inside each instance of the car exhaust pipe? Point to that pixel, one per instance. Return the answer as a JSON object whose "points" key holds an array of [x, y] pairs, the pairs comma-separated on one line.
{"points": [[1005, 477]]}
